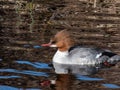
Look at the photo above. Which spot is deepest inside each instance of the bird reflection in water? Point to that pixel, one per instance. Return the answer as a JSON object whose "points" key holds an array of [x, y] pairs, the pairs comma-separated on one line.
{"points": [[60, 82], [67, 81], [63, 82]]}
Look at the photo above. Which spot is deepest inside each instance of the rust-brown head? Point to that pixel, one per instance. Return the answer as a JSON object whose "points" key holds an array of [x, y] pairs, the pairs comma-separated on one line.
{"points": [[62, 40]]}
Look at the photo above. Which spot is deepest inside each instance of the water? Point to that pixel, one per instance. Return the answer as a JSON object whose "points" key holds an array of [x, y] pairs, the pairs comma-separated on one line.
{"points": [[26, 25], [66, 80], [34, 64], [3, 87], [28, 72], [113, 86], [15, 74], [35, 46], [8, 77], [28, 75], [86, 78]]}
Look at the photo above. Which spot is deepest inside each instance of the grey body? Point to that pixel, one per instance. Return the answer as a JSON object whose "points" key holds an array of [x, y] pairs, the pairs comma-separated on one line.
{"points": [[83, 60]]}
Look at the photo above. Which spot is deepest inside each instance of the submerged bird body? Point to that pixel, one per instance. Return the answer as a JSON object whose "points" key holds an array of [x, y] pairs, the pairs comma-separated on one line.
{"points": [[79, 59]]}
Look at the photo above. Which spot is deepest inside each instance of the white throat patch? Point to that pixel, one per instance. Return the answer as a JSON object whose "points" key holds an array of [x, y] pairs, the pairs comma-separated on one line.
{"points": [[53, 45]]}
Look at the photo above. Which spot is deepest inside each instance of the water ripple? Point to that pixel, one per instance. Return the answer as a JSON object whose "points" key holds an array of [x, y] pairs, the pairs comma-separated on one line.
{"points": [[86, 78], [28, 72], [4, 87], [7, 77], [111, 85], [37, 46], [34, 64]]}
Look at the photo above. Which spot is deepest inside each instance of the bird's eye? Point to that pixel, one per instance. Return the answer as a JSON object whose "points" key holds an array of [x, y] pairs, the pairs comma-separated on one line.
{"points": [[53, 42]]}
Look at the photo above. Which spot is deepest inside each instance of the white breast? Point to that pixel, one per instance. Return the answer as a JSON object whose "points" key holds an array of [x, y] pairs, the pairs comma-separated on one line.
{"points": [[61, 57]]}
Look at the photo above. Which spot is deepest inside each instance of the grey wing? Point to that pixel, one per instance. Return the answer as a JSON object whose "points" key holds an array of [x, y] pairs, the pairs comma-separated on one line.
{"points": [[96, 55], [88, 53]]}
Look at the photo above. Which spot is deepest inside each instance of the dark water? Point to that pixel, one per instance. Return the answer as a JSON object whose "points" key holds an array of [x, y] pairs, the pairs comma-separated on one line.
{"points": [[25, 24], [14, 79]]}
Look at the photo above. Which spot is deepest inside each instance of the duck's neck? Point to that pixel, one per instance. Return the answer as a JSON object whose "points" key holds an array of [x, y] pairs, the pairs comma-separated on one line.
{"points": [[66, 46], [62, 53], [63, 49]]}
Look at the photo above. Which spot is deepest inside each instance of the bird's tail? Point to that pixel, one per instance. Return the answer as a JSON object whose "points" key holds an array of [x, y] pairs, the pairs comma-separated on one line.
{"points": [[114, 59]]}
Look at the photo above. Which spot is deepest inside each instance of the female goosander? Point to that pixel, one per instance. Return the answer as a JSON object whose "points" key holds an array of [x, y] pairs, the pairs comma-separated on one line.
{"points": [[78, 59]]}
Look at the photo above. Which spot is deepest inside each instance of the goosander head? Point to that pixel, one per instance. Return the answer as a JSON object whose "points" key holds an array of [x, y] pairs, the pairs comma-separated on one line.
{"points": [[62, 40]]}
